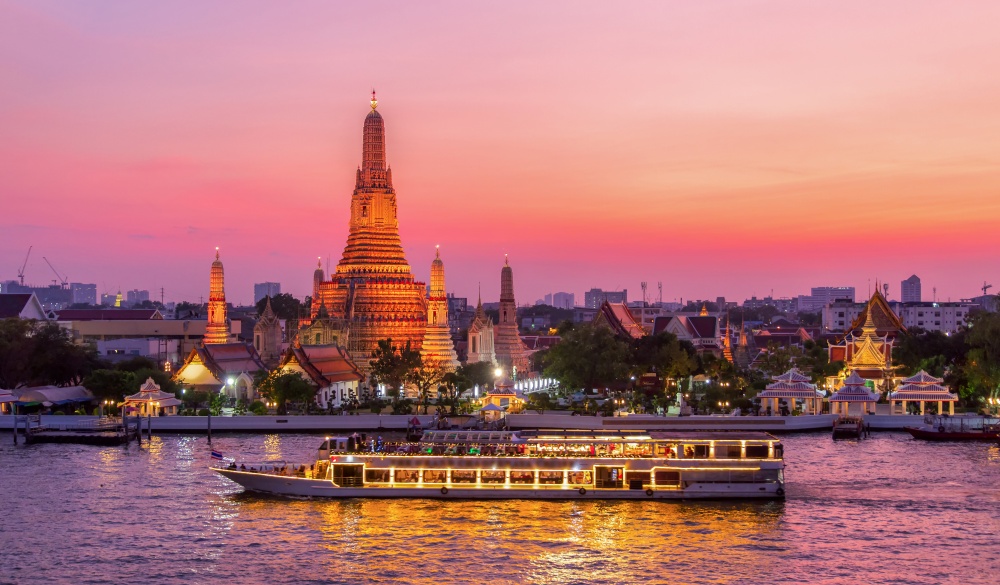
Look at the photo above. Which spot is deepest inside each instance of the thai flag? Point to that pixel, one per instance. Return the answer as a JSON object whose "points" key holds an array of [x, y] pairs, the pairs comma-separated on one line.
{"points": [[217, 456]]}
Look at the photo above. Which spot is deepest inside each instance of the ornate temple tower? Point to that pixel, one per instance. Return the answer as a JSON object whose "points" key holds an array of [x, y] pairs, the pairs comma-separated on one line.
{"points": [[512, 354], [217, 330], [318, 278], [438, 347], [267, 336], [480, 339], [373, 295]]}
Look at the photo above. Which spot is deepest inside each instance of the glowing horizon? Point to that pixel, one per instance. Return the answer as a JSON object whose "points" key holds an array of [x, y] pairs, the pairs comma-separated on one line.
{"points": [[728, 149]]}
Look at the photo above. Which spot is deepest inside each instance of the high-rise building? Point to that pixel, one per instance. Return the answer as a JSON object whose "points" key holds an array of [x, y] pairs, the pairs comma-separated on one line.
{"points": [[437, 347], [595, 297], [373, 294], [563, 300], [83, 293], [909, 290], [265, 289], [135, 296], [512, 354], [217, 329]]}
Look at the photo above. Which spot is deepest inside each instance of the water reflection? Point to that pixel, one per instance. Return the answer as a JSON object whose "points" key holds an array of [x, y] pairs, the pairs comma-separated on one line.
{"points": [[876, 511]]}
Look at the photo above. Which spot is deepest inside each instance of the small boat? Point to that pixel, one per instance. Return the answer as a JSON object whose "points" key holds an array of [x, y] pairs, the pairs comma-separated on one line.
{"points": [[450, 464], [849, 427], [958, 428]]}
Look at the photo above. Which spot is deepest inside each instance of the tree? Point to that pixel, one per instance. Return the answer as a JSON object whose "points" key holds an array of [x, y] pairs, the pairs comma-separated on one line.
{"points": [[110, 384], [285, 386], [664, 354], [284, 305], [34, 353], [426, 377], [588, 357], [539, 402], [982, 362], [393, 366]]}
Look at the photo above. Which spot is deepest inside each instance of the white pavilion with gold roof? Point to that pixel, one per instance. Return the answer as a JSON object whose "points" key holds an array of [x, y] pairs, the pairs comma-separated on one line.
{"points": [[923, 388]]}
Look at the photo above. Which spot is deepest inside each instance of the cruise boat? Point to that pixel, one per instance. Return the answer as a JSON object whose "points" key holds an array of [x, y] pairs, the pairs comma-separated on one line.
{"points": [[958, 428], [522, 465]]}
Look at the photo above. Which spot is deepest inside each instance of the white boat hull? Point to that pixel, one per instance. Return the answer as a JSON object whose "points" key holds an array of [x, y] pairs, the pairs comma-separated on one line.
{"points": [[297, 487]]}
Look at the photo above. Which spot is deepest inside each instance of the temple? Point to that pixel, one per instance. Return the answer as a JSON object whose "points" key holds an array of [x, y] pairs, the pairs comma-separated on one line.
{"points": [[480, 341], [217, 329], [373, 294], [511, 353], [868, 353], [267, 336], [621, 322], [438, 349]]}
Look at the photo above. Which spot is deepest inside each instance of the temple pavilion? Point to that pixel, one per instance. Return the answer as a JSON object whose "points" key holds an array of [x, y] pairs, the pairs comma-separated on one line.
{"points": [[869, 352], [791, 386], [151, 401], [853, 391], [923, 388]]}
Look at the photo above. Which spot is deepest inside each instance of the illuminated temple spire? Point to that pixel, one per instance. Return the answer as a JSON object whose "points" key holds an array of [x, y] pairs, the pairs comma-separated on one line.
{"points": [[217, 329], [372, 295], [438, 347], [511, 353]]}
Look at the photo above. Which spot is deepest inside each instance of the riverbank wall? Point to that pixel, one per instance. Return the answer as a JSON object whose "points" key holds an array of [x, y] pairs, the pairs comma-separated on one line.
{"points": [[555, 420]]}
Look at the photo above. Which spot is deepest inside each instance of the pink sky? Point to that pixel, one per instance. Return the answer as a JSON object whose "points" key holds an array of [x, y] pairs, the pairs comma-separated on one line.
{"points": [[727, 148]]}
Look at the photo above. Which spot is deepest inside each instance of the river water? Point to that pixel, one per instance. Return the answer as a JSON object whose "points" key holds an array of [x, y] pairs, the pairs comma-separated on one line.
{"points": [[885, 510]]}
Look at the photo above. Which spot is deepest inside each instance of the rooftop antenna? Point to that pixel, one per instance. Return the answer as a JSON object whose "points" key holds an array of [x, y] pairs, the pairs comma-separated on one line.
{"points": [[660, 286], [885, 289], [986, 287], [644, 300]]}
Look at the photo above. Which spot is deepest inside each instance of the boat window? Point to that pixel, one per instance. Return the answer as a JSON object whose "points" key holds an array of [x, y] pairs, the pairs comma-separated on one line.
{"points": [[756, 451], [638, 480], [727, 451], [435, 476], [348, 475], [377, 475], [696, 451], [747, 476], [550, 477], [463, 476], [522, 477], [493, 476], [610, 476], [667, 477], [407, 475], [450, 437], [580, 478]]}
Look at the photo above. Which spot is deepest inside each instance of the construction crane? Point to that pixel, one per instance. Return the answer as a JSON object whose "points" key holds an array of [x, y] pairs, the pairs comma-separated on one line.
{"points": [[63, 281], [986, 287], [20, 273]]}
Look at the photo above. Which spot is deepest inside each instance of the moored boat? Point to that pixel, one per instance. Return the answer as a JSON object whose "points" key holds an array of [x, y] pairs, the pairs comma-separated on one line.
{"points": [[512, 465], [848, 427], [958, 428]]}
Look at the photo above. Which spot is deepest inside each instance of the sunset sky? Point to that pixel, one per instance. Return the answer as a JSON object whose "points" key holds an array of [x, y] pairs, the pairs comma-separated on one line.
{"points": [[723, 148]]}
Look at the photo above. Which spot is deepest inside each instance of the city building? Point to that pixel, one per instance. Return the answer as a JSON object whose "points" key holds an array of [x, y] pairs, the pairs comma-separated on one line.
{"points": [[511, 353], [81, 293], [217, 330], [123, 333], [373, 294], [595, 297], [909, 290], [135, 296], [437, 348], [563, 300], [329, 368], [943, 317], [536, 322], [266, 289], [53, 296], [820, 296]]}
